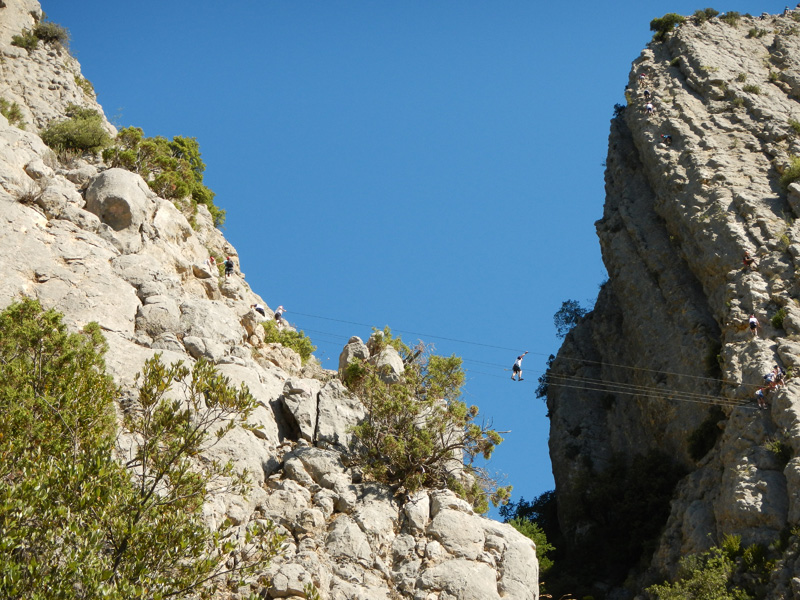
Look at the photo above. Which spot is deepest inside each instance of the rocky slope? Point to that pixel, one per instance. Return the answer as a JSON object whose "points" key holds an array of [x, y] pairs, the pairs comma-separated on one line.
{"points": [[96, 244], [642, 372]]}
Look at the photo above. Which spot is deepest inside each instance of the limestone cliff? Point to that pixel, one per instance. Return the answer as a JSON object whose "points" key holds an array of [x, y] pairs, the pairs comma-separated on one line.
{"points": [[668, 340], [98, 245]]}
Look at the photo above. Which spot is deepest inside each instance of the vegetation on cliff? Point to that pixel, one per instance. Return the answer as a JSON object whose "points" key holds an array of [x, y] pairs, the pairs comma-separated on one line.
{"points": [[173, 169], [75, 522], [417, 431]]}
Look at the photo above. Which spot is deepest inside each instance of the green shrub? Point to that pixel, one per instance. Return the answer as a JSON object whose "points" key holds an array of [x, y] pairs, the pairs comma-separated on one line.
{"points": [[85, 85], [706, 576], [737, 102], [701, 16], [82, 131], [173, 169], [752, 89], [741, 77], [12, 112], [703, 439], [778, 317], [791, 173], [25, 40], [755, 32], [417, 432], [731, 18], [783, 452], [795, 125], [51, 33], [774, 77], [296, 340], [76, 523], [675, 61], [665, 25]]}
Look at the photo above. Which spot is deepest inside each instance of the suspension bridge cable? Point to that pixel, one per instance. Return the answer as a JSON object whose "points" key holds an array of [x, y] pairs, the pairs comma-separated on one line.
{"points": [[567, 358]]}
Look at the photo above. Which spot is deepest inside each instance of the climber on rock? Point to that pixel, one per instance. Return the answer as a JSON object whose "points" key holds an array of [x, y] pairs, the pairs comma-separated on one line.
{"points": [[749, 262], [778, 376], [760, 398], [649, 108], [517, 368], [228, 267], [753, 322], [667, 139], [259, 309], [279, 314]]}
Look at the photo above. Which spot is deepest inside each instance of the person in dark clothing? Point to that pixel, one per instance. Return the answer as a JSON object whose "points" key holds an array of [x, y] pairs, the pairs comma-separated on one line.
{"points": [[228, 267]]}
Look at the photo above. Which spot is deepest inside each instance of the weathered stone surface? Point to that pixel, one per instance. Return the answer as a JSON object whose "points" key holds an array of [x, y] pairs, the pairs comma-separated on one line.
{"points": [[676, 223], [300, 397], [346, 541], [338, 412], [461, 580], [355, 348], [120, 199]]}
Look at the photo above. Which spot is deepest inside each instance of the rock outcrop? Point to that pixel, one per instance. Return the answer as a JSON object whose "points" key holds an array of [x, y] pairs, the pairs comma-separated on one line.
{"points": [[97, 244], [668, 340]]}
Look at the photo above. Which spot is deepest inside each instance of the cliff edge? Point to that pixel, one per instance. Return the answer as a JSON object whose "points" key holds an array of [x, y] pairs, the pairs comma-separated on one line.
{"points": [[654, 392], [97, 244]]}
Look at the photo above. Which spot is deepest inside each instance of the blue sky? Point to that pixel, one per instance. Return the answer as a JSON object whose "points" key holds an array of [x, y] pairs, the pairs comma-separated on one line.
{"points": [[432, 166]]}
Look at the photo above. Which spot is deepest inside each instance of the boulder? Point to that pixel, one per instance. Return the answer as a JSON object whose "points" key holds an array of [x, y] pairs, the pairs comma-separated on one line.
{"points": [[120, 199], [299, 401], [355, 348], [389, 364]]}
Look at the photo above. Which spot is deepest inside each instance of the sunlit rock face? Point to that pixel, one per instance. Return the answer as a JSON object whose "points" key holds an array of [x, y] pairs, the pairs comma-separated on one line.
{"points": [[97, 244], [691, 187]]}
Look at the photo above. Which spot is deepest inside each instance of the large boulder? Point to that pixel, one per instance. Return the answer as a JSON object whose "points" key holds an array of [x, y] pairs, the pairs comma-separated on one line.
{"points": [[120, 198], [355, 348], [300, 406]]}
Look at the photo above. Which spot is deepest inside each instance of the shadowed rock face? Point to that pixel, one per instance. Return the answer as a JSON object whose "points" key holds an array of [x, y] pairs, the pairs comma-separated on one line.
{"points": [[672, 318], [98, 245]]}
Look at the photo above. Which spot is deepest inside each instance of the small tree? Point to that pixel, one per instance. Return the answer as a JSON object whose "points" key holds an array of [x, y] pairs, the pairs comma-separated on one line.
{"points": [[702, 577], [665, 25], [296, 340], [417, 433], [76, 523], [569, 315], [173, 169]]}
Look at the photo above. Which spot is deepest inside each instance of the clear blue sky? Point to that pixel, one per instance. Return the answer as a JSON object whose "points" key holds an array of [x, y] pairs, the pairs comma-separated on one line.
{"points": [[432, 166]]}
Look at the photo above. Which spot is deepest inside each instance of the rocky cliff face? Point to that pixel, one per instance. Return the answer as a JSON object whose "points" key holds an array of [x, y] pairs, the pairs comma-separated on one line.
{"points": [[668, 340], [96, 244]]}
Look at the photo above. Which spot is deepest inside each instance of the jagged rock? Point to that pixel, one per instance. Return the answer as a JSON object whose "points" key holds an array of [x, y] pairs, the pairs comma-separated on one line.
{"points": [[418, 511], [299, 401], [346, 541], [337, 413], [290, 580], [355, 348]]}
